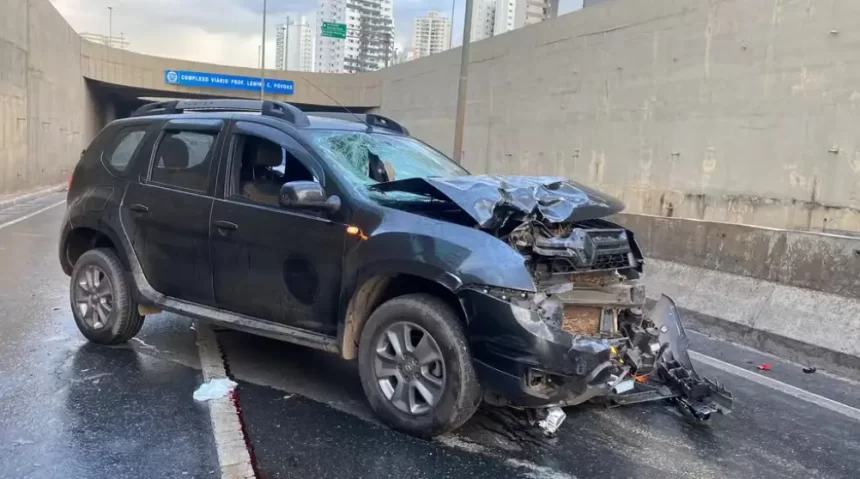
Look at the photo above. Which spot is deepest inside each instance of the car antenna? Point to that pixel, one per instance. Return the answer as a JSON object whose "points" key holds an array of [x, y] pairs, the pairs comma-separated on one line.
{"points": [[369, 128]]}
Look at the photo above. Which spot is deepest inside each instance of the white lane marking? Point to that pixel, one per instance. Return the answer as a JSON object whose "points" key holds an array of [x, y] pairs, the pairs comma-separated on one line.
{"points": [[233, 457], [801, 394], [18, 220]]}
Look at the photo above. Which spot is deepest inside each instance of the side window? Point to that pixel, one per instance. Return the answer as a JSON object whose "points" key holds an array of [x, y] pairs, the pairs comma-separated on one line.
{"points": [[118, 155], [183, 159], [261, 167]]}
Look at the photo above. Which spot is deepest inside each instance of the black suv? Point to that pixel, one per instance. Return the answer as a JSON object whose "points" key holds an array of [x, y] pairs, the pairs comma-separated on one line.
{"points": [[341, 232]]}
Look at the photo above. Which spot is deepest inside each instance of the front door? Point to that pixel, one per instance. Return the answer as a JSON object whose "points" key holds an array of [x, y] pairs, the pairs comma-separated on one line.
{"points": [[166, 213], [270, 262]]}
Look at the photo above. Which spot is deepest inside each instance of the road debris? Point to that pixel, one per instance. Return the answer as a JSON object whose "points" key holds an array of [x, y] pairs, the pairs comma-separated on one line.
{"points": [[554, 417], [214, 389]]}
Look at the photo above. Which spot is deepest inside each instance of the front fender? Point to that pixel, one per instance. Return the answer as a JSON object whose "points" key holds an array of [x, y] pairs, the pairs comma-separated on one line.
{"points": [[450, 255]]}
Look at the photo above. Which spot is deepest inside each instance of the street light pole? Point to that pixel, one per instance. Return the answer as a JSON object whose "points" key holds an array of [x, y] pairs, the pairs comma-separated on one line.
{"points": [[461, 92], [263, 57], [287, 45], [110, 26], [451, 30]]}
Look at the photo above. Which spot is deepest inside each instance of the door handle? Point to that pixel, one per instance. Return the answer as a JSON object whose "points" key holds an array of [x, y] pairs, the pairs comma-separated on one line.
{"points": [[138, 208], [226, 225]]}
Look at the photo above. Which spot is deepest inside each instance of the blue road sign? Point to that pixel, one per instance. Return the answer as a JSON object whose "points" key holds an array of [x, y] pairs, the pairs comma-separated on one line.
{"points": [[219, 80]]}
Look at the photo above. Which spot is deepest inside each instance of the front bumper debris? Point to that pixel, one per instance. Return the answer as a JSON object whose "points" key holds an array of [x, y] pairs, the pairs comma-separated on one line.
{"points": [[528, 362], [674, 376]]}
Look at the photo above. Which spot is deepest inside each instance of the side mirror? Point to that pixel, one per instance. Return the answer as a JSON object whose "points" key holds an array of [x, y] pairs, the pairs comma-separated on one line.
{"points": [[307, 195]]}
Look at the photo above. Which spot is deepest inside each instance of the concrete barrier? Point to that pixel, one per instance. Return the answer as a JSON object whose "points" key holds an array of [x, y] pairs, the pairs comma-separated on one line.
{"points": [[789, 293], [823, 262], [799, 324]]}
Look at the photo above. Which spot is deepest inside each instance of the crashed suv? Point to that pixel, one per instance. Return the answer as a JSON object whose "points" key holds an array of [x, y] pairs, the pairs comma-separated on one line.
{"points": [[341, 232]]}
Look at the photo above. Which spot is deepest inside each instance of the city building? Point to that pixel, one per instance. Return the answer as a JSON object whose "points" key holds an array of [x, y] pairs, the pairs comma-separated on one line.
{"points": [[504, 18], [116, 42], [369, 42], [536, 11], [431, 34], [295, 45], [483, 19], [513, 14]]}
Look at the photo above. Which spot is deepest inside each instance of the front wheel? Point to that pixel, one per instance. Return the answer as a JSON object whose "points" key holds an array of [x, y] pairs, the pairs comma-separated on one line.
{"points": [[102, 305], [416, 368]]}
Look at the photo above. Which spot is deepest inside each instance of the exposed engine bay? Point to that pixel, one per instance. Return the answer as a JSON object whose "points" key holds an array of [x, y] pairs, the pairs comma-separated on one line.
{"points": [[587, 277], [588, 298]]}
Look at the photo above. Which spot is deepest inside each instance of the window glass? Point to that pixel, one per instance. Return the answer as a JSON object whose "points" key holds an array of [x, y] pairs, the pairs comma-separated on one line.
{"points": [[183, 159], [119, 154], [264, 167], [403, 157]]}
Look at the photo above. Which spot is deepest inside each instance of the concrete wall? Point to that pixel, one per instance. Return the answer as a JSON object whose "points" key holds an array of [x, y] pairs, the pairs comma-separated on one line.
{"points": [[742, 111], [44, 119]]}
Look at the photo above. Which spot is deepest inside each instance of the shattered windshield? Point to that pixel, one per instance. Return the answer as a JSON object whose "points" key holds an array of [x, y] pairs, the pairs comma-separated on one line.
{"points": [[356, 153]]}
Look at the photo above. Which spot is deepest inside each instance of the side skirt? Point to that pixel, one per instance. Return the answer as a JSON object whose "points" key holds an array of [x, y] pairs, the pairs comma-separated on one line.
{"points": [[228, 319]]}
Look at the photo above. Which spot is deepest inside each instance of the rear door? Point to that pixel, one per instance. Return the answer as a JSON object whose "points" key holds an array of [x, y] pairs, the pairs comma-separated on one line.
{"points": [[270, 262], [166, 213]]}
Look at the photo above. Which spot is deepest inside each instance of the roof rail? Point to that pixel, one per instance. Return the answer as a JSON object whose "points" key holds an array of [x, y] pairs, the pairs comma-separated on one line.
{"points": [[371, 119], [382, 121], [276, 109]]}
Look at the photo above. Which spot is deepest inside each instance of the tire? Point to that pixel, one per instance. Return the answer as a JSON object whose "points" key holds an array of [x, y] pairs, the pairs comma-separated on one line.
{"points": [[120, 320], [461, 392]]}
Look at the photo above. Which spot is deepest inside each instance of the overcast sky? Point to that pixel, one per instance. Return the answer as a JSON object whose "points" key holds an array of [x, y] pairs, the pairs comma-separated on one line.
{"points": [[225, 31]]}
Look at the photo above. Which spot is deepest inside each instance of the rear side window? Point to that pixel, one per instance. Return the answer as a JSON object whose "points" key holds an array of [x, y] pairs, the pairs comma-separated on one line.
{"points": [[118, 155], [183, 159]]}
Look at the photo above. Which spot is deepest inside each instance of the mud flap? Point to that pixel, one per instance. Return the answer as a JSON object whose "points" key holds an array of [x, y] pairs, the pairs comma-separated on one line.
{"points": [[673, 376]]}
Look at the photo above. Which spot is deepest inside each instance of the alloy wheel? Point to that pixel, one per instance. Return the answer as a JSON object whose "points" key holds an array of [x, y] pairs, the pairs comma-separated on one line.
{"points": [[409, 367], [93, 296]]}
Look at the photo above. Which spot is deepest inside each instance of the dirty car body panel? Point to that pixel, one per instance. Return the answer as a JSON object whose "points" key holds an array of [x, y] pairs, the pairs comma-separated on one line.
{"points": [[546, 287]]}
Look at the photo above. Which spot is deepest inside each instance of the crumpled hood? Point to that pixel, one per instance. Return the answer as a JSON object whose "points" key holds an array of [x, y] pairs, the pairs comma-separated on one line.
{"points": [[491, 199]]}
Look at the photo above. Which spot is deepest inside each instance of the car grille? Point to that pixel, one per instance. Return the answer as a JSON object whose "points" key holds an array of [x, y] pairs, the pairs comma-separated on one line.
{"points": [[612, 261]]}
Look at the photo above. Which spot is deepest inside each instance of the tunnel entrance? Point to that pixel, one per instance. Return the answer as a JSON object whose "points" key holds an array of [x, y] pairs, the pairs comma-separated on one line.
{"points": [[111, 102]]}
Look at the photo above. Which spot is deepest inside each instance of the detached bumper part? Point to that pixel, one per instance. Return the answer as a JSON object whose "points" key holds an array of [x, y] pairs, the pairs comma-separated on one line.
{"points": [[674, 376]]}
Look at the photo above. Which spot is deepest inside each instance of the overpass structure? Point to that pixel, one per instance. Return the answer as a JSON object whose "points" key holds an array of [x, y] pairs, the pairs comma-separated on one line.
{"points": [[728, 127]]}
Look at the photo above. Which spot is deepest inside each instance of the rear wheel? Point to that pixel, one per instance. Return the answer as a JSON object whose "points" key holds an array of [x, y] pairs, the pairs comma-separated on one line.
{"points": [[102, 305], [416, 368]]}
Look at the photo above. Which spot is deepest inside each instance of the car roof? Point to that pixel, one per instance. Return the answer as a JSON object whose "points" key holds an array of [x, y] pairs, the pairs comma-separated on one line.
{"points": [[267, 111], [316, 122]]}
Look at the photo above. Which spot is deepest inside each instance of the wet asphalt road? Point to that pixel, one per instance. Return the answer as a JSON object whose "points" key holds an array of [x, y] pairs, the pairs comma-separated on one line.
{"points": [[70, 409]]}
